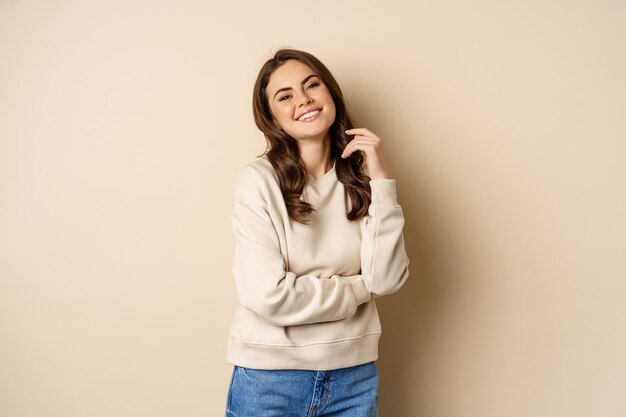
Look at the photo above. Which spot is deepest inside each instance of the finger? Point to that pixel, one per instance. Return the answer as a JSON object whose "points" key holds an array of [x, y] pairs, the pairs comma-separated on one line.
{"points": [[348, 153], [359, 140], [358, 137], [348, 149], [353, 143], [360, 131], [355, 146]]}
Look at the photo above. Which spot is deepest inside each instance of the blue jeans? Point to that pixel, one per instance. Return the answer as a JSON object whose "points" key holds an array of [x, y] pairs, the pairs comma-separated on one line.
{"points": [[345, 392]]}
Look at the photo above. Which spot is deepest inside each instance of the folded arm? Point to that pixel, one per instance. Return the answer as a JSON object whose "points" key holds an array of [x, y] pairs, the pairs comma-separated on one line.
{"points": [[263, 283]]}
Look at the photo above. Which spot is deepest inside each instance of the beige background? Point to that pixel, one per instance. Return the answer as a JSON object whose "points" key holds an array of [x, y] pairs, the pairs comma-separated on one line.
{"points": [[124, 123]]}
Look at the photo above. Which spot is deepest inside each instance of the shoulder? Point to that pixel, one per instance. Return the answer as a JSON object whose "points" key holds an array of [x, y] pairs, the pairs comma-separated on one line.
{"points": [[259, 169], [256, 181], [261, 165]]}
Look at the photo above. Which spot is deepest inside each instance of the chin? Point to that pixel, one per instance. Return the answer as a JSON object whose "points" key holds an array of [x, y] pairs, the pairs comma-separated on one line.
{"points": [[313, 133], [308, 133]]}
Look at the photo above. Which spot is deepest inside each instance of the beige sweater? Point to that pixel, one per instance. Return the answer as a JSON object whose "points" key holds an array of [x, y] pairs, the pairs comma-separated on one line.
{"points": [[306, 292]]}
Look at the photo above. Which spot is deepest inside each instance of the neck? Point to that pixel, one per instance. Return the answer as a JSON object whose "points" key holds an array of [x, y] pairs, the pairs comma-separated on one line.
{"points": [[316, 156]]}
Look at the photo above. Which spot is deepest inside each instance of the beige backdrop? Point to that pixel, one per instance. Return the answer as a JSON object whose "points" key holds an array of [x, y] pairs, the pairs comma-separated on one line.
{"points": [[124, 123]]}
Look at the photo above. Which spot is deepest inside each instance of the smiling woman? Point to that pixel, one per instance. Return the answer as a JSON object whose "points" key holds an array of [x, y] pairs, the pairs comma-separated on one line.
{"points": [[304, 100], [288, 86], [317, 240]]}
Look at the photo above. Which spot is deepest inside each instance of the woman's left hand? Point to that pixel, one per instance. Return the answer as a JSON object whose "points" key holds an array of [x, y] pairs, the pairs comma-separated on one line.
{"points": [[372, 146]]}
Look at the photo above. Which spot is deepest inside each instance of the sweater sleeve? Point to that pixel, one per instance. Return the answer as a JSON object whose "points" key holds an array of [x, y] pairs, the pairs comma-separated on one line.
{"points": [[384, 262], [279, 296], [264, 285]]}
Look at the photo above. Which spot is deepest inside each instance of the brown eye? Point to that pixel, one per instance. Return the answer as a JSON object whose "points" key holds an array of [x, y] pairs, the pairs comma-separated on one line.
{"points": [[283, 97], [313, 84]]}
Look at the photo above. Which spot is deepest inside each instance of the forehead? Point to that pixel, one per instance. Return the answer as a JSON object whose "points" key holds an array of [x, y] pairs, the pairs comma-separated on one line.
{"points": [[290, 74]]}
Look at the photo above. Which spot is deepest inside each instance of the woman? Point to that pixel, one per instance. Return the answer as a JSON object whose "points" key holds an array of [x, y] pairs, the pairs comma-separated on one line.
{"points": [[316, 241]]}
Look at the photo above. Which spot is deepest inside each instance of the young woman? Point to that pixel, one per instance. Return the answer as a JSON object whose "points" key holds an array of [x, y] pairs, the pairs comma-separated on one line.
{"points": [[317, 240]]}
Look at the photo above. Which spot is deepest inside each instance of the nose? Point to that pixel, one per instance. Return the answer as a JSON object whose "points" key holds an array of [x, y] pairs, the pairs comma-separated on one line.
{"points": [[305, 100]]}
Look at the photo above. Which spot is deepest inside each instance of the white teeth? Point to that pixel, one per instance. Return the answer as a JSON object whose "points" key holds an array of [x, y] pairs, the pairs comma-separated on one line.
{"points": [[309, 115]]}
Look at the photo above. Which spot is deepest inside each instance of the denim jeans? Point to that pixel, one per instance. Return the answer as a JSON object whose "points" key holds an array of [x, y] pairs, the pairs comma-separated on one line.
{"points": [[345, 392]]}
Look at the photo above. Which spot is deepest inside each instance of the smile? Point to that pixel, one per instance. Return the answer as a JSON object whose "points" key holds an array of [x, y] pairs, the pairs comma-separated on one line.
{"points": [[310, 116]]}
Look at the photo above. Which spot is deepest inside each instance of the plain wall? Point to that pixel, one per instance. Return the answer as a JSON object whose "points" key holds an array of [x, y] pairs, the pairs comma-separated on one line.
{"points": [[124, 123]]}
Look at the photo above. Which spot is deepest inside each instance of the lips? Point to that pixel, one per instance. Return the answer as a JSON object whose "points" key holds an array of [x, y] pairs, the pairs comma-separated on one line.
{"points": [[308, 111]]}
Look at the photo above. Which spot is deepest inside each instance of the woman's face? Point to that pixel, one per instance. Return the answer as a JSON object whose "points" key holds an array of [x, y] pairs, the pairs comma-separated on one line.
{"points": [[294, 91]]}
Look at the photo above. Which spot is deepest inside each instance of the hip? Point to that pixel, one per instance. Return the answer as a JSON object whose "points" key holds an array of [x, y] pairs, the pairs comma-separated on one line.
{"points": [[349, 392]]}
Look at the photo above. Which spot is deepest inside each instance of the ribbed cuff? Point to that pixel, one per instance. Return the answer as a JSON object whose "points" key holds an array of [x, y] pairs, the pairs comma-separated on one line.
{"points": [[359, 290], [384, 190]]}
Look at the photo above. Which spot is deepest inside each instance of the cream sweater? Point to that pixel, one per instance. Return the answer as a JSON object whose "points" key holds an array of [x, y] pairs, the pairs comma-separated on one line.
{"points": [[306, 292]]}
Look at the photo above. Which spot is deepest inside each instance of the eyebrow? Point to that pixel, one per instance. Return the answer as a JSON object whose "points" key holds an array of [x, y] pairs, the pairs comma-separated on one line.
{"points": [[289, 88]]}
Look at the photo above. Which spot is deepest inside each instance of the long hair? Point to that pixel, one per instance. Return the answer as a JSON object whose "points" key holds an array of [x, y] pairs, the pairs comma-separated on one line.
{"points": [[284, 154]]}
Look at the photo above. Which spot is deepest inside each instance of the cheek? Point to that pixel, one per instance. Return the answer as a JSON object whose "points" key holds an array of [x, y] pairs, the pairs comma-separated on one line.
{"points": [[332, 114], [331, 106], [328, 99], [284, 109], [281, 113]]}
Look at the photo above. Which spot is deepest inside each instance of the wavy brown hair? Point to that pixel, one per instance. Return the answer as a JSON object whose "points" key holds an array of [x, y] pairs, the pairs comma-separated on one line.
{"points": [[283, 151]]}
